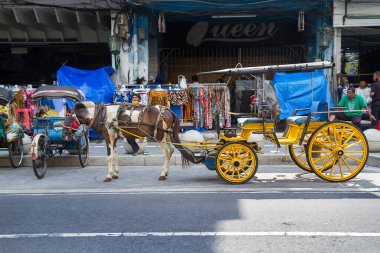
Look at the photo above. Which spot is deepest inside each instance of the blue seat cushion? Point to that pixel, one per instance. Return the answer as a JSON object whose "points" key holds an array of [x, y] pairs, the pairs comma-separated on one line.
{"points": [[243, 121], [299, 120]]}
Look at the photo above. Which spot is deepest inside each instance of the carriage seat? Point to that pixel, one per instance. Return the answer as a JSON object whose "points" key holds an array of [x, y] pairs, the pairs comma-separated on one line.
{"points": [[243, 121], [299, 120]]}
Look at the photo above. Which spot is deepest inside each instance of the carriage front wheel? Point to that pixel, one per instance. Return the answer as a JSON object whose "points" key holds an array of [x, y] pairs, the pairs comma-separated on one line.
{"points": [[236, 162], [341, 145], [16, 152], [83, 148], [40, 164]]}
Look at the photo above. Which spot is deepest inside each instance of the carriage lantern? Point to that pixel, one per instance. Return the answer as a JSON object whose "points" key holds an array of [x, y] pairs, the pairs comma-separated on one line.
{"points": [[325, 36], [114, 43]]}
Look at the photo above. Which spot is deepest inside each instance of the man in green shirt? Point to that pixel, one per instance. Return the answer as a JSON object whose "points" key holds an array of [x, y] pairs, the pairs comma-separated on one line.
{"points": [[352, 106]]}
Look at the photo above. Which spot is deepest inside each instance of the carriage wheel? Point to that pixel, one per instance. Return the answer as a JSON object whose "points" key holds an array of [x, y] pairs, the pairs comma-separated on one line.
{"points": [[236, 163], [340, 144], [16, 152], [297, 153], [40, 164], [83, 151]]}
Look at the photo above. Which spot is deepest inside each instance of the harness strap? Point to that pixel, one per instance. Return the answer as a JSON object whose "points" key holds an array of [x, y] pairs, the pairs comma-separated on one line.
{"points": [[141, 116], [159, 119]]}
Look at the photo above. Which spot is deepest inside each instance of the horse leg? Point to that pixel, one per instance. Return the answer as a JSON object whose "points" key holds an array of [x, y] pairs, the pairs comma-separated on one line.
{"points": [[110, 158], [168, 152], [116, 161]]}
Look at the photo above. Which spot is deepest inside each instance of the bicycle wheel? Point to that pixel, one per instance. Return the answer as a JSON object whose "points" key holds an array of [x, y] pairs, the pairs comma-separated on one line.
{"points": [[40, 164], [83, 149], [16, 152]]}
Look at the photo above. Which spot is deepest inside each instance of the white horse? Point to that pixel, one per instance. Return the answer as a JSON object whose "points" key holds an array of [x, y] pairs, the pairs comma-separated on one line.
{"points": [[153, 121]]}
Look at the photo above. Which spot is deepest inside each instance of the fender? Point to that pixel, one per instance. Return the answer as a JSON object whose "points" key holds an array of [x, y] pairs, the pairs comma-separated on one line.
{"points": [[34, 146]]}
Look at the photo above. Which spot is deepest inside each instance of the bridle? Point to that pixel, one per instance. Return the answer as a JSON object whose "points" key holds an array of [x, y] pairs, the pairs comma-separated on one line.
{"points": [[75, 123]]}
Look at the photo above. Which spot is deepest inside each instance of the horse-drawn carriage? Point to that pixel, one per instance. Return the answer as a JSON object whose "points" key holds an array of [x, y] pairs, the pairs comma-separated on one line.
{"points": [[335, 151], [11, 133], [47, 127]]}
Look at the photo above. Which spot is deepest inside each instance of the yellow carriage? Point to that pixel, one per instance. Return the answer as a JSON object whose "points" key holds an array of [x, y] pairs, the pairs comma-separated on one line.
{"points": [[335, 151]]}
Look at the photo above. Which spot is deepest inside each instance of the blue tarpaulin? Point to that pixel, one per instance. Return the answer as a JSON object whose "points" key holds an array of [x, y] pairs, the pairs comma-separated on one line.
{"points": [[95, 84], [294, 91]]}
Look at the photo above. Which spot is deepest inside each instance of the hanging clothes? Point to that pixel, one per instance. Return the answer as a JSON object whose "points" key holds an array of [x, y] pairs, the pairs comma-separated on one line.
{"points": [[178, 97], [122, 96], [158, 97], [29, 103], [208, 101]]}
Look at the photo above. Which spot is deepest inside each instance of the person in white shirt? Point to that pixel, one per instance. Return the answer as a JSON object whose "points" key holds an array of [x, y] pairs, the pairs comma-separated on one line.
{"points": [[364, 91]]}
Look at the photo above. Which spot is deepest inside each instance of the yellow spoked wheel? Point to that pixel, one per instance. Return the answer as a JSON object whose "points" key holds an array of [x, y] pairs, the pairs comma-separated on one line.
{"points": [[236, 163], [297, 153], [341, 148]]}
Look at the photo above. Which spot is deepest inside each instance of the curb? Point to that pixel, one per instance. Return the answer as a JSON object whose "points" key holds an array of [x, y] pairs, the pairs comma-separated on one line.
{"points": [[129, 160], [155, 160]]}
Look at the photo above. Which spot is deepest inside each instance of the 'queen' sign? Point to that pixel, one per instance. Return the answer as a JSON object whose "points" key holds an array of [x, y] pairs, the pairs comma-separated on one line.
{"points": [[250, 32]]}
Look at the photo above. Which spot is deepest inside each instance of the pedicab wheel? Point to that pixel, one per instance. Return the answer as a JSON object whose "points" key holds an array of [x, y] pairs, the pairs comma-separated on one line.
{"points": [[297, 153], [337, 151], [16, 152], [83, 151], [40, 164], [236, 163]]}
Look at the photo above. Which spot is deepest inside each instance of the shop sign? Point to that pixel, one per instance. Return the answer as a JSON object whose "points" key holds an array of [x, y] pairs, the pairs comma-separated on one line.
{"points": [[249, 32]]}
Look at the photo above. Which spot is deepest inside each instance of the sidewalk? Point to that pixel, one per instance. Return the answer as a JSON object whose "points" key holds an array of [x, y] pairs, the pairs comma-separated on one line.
{"points": [[98, 155]]}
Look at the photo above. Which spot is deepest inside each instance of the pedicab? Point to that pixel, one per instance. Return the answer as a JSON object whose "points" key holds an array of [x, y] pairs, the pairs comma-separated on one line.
{"points": [[335, 151], [47, 130], [11, 133]]}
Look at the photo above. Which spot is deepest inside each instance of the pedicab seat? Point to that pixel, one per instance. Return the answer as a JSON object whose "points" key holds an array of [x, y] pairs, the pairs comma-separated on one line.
{"points": [[244, 121]]}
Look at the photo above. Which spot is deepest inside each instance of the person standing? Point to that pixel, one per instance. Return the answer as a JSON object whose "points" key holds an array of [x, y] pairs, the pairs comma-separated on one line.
{"points": [[375, 95]]}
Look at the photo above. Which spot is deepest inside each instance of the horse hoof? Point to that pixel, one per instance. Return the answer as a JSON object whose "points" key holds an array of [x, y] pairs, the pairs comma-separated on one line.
{"points": [[107, 179], [162, 178], [115, 177]]}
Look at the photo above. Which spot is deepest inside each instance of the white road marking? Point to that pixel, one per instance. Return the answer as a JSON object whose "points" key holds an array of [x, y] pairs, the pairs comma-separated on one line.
{"points": [[194, 234]]}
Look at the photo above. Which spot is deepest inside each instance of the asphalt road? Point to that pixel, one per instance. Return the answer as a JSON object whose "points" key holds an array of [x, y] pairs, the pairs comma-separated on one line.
{"points": [[281, 210]]}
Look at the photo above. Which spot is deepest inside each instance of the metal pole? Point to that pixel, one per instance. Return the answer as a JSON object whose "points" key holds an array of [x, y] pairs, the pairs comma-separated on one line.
{"points": [[311, 84]]}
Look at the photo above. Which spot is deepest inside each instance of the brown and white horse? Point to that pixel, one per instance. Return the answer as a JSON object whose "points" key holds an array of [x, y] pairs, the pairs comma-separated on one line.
{"points": [[151, 121]]}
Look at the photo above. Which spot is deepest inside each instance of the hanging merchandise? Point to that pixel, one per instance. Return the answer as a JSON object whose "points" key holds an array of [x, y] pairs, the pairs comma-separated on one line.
{"points": [[178, 97], [208, 100], [158, 96], [29, 103], [161, 23], [143, 92], [122, 95]]}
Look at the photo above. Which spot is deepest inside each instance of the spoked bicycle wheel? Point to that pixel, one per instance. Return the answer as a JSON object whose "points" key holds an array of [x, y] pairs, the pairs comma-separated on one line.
{"points": [[40, 164], [236, 163], [16, 152], [83, 149], [341, 144]]}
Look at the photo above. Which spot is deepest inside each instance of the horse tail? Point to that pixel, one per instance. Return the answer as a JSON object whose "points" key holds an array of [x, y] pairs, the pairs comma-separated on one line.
{"points": [[186, 153]]}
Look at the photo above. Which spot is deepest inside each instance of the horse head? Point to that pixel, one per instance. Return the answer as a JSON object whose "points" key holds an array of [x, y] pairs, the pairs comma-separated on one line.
{"points": [[83, 113]]}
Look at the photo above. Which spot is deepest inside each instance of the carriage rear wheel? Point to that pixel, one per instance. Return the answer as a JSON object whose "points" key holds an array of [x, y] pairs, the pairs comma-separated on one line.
{"points": [[236, 162], [16, 152], [341, 145], [83, 149], [40, 164], [298, 155]]}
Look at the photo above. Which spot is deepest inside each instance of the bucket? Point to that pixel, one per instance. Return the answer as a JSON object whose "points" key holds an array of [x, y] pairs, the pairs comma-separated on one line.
{"points": [[210, 161]]}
